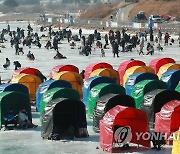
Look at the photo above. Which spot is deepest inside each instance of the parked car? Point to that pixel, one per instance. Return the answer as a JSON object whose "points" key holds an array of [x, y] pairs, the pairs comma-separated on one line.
{"points": [[140, 17], [156, 18]]}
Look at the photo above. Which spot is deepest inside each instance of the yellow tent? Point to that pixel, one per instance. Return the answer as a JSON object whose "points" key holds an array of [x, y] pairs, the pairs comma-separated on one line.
{"points": [[74, 78], [166, 67], [111, 73], [176, 142], [136, 69], [32, 82]]}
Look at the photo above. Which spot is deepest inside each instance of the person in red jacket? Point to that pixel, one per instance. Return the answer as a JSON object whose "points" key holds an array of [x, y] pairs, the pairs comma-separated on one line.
{"points": [[166, 39]]}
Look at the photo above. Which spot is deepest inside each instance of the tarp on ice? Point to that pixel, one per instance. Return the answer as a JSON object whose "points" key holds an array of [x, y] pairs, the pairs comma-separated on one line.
{"points": [[65, 117], [107, 102]]}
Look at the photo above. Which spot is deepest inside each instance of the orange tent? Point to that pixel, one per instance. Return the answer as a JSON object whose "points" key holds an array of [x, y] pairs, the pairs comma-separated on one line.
{"points": [[108, 72], [166, 67], [74, 78], [32, 82], [136, 69]]}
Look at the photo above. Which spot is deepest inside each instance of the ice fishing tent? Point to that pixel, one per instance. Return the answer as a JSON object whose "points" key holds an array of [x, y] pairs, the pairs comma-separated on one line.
{"points": [[63, 113], [14, 87], [108, 72], [74, 78], [107, 102], [143, 87], [32, 82], [158, 62], [127, 64], [47, 85], [136, 69], [121, 116], [172, 78], [91, 67], [178, 87], [137, 77], [60, 68], [101, 90], [167, 120], [26, 70], [154, 100], [167, 67], [16, 101], [91, 82], [58, 93]]}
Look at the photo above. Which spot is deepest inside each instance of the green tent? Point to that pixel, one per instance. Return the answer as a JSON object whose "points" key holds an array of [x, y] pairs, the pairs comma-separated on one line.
{"points": [[101, 90], [178, 87], [142, 87], [58, 93], [16, 101]]}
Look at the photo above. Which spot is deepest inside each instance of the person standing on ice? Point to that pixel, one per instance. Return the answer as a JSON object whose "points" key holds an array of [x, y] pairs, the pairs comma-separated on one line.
{"points": [[166, 39], [141, 45], [179, 40], [80, 32], [159, 36], [115, 48]]}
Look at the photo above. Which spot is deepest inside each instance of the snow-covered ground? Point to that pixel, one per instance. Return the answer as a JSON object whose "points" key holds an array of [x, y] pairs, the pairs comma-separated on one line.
{"points": [[30, 141]]}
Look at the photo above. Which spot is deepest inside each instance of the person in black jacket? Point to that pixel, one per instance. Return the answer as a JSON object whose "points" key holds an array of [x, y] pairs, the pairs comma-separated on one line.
{"points": [[115, 48]]}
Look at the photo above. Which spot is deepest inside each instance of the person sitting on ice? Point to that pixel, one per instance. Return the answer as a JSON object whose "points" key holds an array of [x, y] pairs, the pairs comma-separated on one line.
{"points": [[99, 44], [159, 47], [17, 65], [30, 56], [10, 118], [7, 64], [72, 44], [102, 52], [150, 50], [48, 45], [59, 56], [23, 120]]}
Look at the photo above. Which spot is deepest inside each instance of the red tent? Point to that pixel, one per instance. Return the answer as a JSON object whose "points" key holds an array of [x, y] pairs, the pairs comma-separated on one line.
{"points": [[60, 68], [123, 116], [158, 62], [26, 70], [168, 119], [94, 66], [127, 64]]}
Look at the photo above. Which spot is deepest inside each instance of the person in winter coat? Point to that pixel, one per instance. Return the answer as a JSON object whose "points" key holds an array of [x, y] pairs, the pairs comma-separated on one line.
{"points": [[141, 45], [23, 120], [115, 48], [106, 39], [17, 65], [80, 32], [7, 64], [166, 39]]}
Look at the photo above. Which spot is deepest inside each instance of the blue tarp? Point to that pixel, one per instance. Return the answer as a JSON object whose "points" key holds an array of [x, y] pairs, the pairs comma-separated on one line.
{"points": [[91, 82], [47, 85], [172, 78], [137, 77], [17, 87]]}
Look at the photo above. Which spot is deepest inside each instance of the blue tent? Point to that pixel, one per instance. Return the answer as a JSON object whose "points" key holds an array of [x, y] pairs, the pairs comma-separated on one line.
{"points": [[17, 87], [91, 82], [172, 78], [47, 85], [137, 77]]}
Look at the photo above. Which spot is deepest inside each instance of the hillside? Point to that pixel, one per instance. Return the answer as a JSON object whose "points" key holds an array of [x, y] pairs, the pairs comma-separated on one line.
{"points": [[157, 7], [102, 12]]}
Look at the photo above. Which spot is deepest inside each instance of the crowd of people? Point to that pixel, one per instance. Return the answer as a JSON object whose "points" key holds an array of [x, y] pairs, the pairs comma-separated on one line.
{"points": [[118, 41]]}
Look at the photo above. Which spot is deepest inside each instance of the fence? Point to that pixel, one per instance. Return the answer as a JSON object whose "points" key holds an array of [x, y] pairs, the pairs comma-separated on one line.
{"points": [[96, 23]]}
